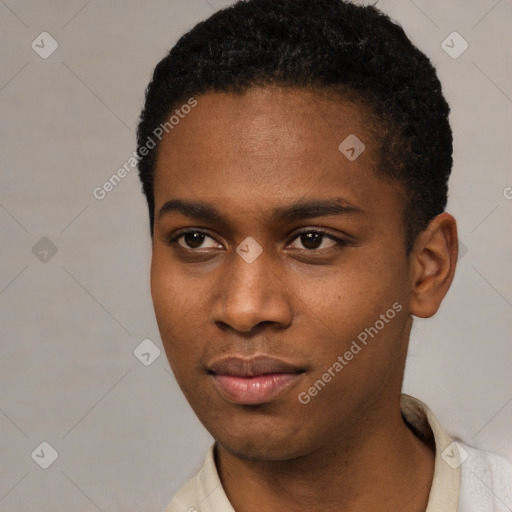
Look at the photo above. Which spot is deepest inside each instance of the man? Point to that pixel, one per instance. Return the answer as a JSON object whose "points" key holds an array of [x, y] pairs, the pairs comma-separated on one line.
{"points": [[295, 156]]}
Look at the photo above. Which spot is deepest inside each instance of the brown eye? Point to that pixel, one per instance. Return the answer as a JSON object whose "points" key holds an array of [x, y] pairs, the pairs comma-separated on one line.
{"points": [[191, 240], [312, 240]]}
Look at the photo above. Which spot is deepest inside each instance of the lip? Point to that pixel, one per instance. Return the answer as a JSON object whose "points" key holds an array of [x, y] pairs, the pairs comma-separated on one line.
{"points": [[252, 381]]}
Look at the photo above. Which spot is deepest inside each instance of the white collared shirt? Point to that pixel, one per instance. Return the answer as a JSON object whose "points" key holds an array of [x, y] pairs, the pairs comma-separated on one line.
{"points": [[465, 479]]}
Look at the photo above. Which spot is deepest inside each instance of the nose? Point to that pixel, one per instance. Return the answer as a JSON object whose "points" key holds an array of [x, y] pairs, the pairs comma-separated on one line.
{"points": [[252, 294]]}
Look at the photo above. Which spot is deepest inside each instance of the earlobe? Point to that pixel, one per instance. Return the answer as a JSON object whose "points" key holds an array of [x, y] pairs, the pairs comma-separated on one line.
{"points": [[433, 262]]}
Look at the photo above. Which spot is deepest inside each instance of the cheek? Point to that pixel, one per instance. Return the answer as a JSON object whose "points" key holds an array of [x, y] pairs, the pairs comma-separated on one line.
{"points": [[175, 306], [359, 314], [353, 296], [163, 294]]}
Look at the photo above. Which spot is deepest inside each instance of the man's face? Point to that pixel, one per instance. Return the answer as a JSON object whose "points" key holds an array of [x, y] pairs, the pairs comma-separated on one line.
{"points": [[253, 307]]}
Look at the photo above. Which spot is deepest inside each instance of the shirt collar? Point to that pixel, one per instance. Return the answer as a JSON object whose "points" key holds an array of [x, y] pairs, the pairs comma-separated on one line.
{"points": [[445, 489]]}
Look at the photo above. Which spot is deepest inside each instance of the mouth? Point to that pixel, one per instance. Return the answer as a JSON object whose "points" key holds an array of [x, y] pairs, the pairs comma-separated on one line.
{"points": [[253, 381]]}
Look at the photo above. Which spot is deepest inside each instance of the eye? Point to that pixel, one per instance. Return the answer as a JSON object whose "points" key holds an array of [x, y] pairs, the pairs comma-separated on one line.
{"points": [[310, 240], [313, 239], [192, 240]]}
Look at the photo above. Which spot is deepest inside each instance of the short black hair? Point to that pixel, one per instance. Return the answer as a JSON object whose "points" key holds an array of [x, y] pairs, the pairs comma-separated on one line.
{"points": [[354, 50]]}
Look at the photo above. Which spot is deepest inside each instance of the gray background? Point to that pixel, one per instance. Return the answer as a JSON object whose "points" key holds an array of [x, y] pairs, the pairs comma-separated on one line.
{"points": [[126, 439]]}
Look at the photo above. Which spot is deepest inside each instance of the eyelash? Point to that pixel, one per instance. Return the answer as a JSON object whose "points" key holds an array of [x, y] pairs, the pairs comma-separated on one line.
{"points": [[339, 241]]}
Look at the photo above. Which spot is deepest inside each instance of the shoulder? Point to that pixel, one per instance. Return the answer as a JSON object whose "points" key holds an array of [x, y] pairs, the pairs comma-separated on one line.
{"points": [[486, 481], [185, 499], [204, 488]]}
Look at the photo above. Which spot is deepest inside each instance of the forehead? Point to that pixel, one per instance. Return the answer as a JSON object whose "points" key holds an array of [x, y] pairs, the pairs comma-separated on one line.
{"points": [[287, 123], [267, 147]]}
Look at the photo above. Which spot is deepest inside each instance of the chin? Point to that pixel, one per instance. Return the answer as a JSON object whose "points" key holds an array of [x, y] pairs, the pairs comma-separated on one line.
{"points": [[248, 450], [261, 440], [271, 431]]}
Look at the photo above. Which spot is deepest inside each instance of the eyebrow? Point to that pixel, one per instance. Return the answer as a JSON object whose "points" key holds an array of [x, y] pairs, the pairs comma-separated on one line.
{"points": [[297, 211]]}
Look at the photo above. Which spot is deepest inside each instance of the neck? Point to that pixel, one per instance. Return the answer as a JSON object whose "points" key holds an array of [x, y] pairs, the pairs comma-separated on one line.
{"points": [[382, 466]]}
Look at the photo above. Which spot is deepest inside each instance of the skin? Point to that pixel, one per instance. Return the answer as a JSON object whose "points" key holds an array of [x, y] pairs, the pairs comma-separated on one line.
{"points": [[301, 301]]}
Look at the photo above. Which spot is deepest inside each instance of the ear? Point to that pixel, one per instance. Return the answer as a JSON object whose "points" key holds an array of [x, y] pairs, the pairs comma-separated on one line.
{"points": [[433, 262]]}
